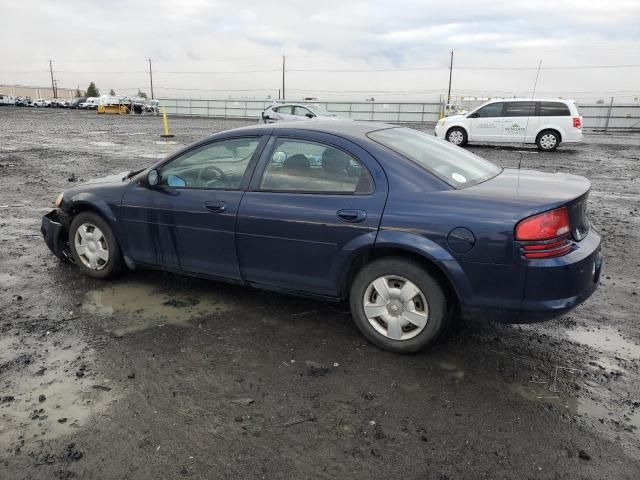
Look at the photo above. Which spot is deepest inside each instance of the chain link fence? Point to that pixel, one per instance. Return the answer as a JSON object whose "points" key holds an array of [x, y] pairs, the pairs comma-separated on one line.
{"points": [[605, 117]]}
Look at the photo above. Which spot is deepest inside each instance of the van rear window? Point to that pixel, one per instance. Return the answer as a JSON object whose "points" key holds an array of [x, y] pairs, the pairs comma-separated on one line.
{"points": [[554, 109]]}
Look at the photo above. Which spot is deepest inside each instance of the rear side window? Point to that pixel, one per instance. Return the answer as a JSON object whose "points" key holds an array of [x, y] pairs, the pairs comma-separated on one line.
{"points": [[454, 165], [554, 109], [520, 109], [310, 167]]}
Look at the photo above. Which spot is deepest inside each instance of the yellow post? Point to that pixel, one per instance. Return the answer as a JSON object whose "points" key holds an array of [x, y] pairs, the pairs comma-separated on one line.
{"points": [[165, 125]]}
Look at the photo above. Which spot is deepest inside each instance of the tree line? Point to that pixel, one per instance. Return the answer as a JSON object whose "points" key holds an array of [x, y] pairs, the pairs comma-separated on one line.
{"points": [[93, 91]]}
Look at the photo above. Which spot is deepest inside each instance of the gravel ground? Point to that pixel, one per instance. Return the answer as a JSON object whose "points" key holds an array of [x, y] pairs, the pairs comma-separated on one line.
{"points": [[161, 376]]}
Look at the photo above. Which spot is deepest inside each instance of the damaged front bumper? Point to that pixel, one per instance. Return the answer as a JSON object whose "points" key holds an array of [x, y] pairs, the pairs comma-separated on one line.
{"points": [[54, 228]]}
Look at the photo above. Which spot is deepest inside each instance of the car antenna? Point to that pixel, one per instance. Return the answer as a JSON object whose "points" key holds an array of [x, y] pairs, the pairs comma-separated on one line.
{"points": [[526, 127]]}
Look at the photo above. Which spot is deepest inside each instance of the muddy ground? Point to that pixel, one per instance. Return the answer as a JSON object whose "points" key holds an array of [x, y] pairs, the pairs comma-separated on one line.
{"points": [[159, 376]]}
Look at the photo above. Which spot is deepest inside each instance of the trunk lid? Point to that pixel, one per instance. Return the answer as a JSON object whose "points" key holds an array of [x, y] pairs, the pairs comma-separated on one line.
{"points": [[535, 192]]}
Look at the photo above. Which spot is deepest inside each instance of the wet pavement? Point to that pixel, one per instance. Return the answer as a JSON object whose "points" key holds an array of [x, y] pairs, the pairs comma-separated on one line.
{"points": [[156, 375]]}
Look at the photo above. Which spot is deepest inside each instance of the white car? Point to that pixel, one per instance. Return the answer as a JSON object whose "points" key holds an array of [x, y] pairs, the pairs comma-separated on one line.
{"points": [[289, 112], [545, 122], [90, 103], [40, 102]]}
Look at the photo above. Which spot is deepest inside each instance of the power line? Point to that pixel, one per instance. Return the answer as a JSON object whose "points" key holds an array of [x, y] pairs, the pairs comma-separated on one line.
{"points": [[217, 89], [218, 72]]}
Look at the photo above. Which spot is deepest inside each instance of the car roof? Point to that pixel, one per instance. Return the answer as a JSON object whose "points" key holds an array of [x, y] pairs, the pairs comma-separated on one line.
{"points": [[342, 128], [564, 100], [288, 104]]}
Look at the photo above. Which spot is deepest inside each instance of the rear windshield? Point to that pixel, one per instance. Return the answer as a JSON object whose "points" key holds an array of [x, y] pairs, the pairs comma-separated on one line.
{"points": [[456, 166]]}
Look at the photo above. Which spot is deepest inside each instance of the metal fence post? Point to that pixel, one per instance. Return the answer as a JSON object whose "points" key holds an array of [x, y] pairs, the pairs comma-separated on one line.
{"points": [[606, 124]]}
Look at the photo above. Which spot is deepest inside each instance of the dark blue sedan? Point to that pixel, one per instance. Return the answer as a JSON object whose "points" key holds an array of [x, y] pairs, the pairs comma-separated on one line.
{"points": [[409, 228]]}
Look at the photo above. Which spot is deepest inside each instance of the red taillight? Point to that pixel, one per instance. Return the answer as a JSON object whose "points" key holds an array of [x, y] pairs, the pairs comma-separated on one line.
{"points": [[544, 226], [546, 235], [577, 122]]}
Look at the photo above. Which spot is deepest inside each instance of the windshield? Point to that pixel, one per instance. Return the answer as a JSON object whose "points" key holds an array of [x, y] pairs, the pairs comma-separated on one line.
{"points": [[456, 166]]}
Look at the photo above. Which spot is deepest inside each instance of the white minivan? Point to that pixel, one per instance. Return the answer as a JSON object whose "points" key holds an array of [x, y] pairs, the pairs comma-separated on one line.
{"points": [[545, 122]]}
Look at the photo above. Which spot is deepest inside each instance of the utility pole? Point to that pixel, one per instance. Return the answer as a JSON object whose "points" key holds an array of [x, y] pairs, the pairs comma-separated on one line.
{"points": [[151, 78], [283, 66], [53, 85], [450, 74]]}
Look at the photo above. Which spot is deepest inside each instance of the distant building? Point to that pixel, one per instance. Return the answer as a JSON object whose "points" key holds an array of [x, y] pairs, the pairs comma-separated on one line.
{"points": [[36, 92]]}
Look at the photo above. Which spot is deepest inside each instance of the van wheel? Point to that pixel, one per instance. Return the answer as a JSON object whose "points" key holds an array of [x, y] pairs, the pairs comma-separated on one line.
{"points": [[93, 246], [548, 140], [398, 305], [457, 136]]}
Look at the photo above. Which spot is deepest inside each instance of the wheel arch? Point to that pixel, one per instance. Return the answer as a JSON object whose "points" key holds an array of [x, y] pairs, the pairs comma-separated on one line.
{"points": [[87, 202], [457, 125], [547, 128], [446, 270]]}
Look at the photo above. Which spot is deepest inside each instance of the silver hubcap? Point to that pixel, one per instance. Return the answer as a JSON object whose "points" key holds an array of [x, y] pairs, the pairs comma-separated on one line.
{"points": [[395, 307], [91, 246], [456, 137], [548, 140]]}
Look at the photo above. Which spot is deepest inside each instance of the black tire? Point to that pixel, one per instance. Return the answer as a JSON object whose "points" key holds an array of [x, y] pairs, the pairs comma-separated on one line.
{"points": [[544, 141], [437, 319], [110, 267], [457, 136]]}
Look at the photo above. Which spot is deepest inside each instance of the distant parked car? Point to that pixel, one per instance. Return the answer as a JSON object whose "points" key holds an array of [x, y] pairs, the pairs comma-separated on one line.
{"points": [[39, 102], [75, 103], [64, 103], [7, 99], [288, 112], [547, 123], [21, 102], [408, 227], [90, 103]]}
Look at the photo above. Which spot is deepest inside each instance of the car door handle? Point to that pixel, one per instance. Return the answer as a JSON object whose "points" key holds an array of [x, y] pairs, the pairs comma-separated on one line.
{"points": [[352, 215], [216, 207]]}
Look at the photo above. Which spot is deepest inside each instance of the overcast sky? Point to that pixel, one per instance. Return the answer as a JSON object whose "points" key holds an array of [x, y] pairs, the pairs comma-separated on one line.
{"points": [[387, 49]]}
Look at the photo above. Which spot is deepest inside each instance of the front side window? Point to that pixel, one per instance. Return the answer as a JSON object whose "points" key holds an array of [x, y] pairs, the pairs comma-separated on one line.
{"points": [[456, 166], [520, 109], [310, 167], [554, 109], [219, 165], [301, 111], [491, 110]]}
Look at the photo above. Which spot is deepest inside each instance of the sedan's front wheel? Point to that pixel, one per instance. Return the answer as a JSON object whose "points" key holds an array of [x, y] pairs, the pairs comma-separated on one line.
{"points": [[398, 305], [94, 247]]}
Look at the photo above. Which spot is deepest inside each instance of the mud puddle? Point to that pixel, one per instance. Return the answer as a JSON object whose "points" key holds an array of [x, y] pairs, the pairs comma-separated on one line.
{"points": [[47, 391], [606, 340], [132, 307]]}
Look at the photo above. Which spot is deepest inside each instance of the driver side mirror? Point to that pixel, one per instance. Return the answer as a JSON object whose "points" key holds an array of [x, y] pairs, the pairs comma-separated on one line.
{"points": [[474, 115], [152, 178], [309, 115]]}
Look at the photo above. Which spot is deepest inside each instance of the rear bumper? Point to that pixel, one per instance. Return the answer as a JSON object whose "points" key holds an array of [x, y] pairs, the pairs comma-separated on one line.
{"points": [[573, 135], [54, 231], [555, 286], [550, 288]]}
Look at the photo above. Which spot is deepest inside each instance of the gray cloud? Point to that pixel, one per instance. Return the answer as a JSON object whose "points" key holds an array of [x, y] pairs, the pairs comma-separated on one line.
{"points": [[199, 35]]}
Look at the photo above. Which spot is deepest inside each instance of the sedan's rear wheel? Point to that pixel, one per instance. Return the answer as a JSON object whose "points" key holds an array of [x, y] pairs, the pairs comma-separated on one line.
{"points": [[94, 247], [398, 305]]}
